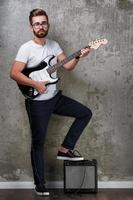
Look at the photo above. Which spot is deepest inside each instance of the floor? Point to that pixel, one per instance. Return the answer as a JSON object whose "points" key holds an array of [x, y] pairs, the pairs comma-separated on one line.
{"points": [[28, 194]]}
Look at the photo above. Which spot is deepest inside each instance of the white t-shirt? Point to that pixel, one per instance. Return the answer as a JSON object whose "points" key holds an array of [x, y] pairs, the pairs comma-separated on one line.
{"points": [[32, 54]]}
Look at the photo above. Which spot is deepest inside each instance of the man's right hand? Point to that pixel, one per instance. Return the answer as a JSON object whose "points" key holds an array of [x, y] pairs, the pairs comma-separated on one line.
{"points": [[40, 86]]}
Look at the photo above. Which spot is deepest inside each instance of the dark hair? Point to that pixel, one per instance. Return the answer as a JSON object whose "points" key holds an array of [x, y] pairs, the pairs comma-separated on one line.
{"points": [[37, 12]]}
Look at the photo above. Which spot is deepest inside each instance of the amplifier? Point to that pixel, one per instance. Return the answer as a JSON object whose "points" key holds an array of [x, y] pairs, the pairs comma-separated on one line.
{"points": [[80, 176]]}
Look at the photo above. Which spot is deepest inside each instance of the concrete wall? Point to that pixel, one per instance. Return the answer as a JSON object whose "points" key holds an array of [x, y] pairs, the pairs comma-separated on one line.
{"points": [[103, 81]]}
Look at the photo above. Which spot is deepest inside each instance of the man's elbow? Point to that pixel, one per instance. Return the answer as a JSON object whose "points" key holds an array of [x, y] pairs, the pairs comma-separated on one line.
{"points": [[12, 74]]}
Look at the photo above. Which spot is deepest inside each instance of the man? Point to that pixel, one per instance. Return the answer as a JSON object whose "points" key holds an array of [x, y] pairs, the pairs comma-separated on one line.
{"points": [[50, 100]]}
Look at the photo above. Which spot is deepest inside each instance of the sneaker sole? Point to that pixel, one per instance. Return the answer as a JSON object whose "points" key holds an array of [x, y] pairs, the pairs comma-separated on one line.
{"points": [[42, 193], [66, 158]]}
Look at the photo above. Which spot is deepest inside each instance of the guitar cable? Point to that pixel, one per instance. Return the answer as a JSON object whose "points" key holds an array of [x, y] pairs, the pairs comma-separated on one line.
{"points": [[82, 181]]}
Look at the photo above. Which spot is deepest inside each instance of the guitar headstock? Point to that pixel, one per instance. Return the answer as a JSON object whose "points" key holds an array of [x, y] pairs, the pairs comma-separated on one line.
{"points": [[97, 43]]}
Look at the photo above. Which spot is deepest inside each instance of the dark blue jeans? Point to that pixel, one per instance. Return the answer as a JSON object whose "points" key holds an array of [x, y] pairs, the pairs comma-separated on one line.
{"points": [[39, 113]]}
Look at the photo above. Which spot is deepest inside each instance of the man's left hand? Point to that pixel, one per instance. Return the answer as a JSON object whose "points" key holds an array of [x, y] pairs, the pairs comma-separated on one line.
{"points": [[84, 52]]}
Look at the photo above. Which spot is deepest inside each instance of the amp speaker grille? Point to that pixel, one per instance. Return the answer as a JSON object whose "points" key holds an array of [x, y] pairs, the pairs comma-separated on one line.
{"points": [[80, 176]]}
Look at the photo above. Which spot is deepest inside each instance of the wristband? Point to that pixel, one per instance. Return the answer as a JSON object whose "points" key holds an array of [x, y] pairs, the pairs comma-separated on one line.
{"points": [[77, 57]]}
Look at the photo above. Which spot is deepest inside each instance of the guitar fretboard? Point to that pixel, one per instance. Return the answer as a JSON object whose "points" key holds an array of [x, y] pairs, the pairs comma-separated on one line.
{"points": [[53, 68]]}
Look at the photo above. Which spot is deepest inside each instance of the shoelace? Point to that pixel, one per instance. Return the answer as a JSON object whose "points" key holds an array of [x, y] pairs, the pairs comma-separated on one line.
{"points": [[76, 151]]}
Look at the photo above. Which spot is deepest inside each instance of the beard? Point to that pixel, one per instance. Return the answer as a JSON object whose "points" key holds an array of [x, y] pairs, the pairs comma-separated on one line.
{"points": [[41, 33]]}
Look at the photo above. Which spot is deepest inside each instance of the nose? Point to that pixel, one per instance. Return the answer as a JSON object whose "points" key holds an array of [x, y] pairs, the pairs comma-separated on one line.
{"points": [[40, 25]]}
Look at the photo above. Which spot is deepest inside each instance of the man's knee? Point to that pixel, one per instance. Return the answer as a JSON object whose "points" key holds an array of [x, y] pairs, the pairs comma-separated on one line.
{"points": [[88, 113]]}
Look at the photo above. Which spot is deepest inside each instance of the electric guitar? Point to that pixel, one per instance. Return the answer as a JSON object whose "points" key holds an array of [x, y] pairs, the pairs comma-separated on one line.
{"points": [[43, 71]]}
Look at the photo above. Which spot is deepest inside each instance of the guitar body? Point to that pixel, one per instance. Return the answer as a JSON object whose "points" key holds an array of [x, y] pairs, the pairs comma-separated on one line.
{"points": [[38, 73]]}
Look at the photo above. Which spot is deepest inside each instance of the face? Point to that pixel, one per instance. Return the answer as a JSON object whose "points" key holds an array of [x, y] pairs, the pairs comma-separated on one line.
{"points": [[40, 26]]}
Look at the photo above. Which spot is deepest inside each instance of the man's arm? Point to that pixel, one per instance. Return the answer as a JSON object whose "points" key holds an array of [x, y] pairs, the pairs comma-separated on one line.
{"points": [[72, 64], [17, 75]]}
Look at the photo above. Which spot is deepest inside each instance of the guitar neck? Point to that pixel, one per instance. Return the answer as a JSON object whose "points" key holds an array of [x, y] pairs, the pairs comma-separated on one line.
{"points": [[53, 68]]}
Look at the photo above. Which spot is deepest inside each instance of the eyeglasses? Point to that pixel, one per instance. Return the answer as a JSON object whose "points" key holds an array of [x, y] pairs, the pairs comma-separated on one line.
{"points": [[38, 24]]}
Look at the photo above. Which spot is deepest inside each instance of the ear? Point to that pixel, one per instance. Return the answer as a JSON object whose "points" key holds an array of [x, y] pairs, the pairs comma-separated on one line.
{"points": [[31, 28], [48, 23]]}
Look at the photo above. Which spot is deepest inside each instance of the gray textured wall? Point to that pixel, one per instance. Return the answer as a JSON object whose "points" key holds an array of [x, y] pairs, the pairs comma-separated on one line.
{"points": [[103, 81]]}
